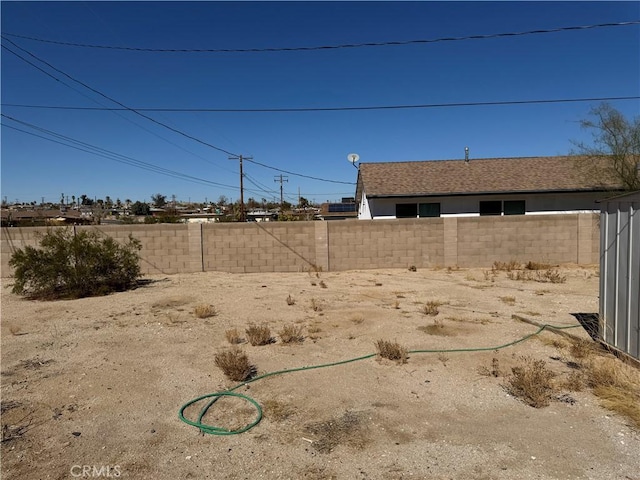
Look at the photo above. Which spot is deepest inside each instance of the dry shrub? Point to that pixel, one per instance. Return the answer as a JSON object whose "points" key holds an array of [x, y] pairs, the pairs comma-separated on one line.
{"points": [[235, 364], [431, 308], [233, 336], [290, 300], [291, 334], [506, 266], [552, 276], [357, 318], [392, 351], [574, 382], [258, 334], [205, 311], [15, 329], [537, 266], [322, 284], [531, 382], [520, 275]]}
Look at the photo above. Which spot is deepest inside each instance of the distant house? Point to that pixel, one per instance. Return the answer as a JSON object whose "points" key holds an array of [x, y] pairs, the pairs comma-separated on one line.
{"points": [[490, 186]]}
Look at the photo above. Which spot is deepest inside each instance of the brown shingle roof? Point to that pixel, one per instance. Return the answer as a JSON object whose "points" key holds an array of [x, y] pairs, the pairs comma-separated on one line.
{"points": [[489, 175]]}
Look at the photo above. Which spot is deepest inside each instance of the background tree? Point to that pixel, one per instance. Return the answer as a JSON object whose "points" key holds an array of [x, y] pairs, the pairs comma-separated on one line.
{"points": [[139, 208], [615, 138], [159, 200]]}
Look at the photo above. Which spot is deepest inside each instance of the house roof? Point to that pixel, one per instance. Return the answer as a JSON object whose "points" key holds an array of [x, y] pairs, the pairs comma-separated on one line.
{"points": [[482, 176]]}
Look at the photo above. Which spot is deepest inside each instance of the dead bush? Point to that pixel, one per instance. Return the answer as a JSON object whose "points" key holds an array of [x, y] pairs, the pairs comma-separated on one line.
{"points": [[392, 351], [235, 364], [291, 334], [205, 311], [506, 266], [259, 335], [531, 382], [537, 266], [290, 300]]}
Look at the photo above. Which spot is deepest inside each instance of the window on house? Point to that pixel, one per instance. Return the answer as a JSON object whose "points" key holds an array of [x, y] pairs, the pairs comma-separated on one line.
{"points": [[406, 210], [514, 207], [429, 210], [491, 207]]}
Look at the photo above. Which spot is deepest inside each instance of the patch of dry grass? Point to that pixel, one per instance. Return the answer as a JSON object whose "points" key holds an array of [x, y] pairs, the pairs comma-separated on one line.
{"points": [[315, 305], [531, 382], [392, 351], [258, 334], [291, 334], [205, 311], [506, 266], [530, 265], [349, 429], [277, 410], [235, 364], [357, 318], [508, 300], [290, 300], [437, 328], [493, 370]]}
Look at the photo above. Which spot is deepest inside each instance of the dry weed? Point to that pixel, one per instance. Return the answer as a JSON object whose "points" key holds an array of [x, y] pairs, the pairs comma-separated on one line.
{"points": [[431, 308], [235, 364], [205, 311], [492, 371], [357, 318], [392, 351], [291, 334], [582, 349], [315, 305], [233, 336], [531, 382], [258, 334], [506, 266], [322, 284], [290, 300]]}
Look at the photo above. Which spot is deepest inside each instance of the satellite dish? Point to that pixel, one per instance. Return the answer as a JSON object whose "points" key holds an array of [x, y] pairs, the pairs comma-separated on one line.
{"points": [[353, 157]]}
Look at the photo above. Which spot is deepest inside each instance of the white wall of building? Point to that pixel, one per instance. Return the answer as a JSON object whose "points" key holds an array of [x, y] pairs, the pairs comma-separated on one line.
{"points": [[469, 206]]}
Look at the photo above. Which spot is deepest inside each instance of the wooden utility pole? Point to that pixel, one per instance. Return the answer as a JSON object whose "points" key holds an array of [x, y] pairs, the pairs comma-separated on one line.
{"points": [[281, 178], [240, 157]]}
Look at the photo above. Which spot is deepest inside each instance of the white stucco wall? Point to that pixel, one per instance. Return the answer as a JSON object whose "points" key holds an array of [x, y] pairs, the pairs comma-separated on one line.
{"points": [[469, 206]]}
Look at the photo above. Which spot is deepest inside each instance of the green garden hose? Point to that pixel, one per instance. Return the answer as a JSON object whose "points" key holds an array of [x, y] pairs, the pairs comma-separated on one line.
{"points": [[214, 397]]}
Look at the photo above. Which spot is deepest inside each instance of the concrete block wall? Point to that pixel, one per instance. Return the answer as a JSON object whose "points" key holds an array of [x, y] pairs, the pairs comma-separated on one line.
{"points": [[364, 244], [349, 244], [260, 247]]}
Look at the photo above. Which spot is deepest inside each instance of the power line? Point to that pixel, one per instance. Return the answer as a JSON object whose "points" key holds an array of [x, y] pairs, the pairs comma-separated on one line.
{"points": [[333, 109], [104, 153], [115, 110], [156, 121], [299, 174], [119, 103], [331, 47]]}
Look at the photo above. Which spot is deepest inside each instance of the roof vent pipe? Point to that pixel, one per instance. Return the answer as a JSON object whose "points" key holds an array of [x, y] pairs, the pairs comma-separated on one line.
{"points": [[466, 154]]}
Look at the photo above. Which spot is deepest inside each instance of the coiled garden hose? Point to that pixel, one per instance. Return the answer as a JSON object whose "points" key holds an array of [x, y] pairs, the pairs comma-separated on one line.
{"points": [[213, 430]]}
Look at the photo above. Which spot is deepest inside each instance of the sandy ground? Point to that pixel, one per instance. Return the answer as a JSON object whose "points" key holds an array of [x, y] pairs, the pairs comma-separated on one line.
{"points": [[97, 383]]}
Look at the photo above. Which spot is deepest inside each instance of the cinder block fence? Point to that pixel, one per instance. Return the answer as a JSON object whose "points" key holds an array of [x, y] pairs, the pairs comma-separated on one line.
{"points": [[348, 245]]}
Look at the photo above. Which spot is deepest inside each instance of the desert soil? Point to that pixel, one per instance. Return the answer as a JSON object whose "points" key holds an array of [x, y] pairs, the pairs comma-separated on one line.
{"points": [[92, 387]]}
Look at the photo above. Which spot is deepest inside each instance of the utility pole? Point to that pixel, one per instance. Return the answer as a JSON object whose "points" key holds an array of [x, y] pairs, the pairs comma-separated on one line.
{"points": [[281, 178], [240, 157]]}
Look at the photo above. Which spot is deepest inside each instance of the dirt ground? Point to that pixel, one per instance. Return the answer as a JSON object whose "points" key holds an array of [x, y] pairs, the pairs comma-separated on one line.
{"points": [[92, 387]]}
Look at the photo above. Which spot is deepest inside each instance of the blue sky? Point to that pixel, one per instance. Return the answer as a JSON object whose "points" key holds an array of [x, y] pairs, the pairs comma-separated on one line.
{"points": [[590, 63]]}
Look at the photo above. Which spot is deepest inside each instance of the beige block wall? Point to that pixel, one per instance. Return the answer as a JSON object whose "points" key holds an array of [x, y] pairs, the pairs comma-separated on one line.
{"points": [[259, 247], [364, 244], [347, 245]]}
